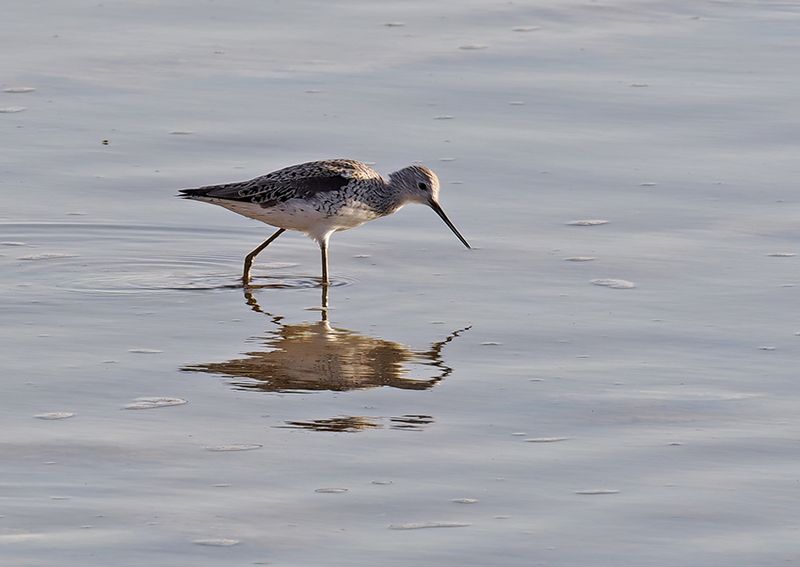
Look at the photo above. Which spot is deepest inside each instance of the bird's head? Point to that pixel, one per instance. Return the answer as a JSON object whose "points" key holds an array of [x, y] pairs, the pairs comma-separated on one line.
{"points": [[418, 184]]}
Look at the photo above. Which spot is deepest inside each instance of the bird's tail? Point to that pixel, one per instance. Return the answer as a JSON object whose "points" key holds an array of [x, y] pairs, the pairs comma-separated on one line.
{"points": [[193, 193]]}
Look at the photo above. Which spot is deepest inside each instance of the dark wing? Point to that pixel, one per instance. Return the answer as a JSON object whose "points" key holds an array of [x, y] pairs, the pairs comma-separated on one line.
{"points": [[268, 192], [295, 182]]}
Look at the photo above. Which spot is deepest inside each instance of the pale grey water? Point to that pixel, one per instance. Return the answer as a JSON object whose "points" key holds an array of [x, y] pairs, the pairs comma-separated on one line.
{"points": [[674, 121]]}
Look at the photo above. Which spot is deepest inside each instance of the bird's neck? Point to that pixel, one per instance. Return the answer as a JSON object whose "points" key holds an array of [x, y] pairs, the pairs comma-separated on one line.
{"points": [[386, 199]]}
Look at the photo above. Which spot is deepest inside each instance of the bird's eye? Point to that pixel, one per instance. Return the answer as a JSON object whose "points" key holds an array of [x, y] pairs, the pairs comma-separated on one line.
{"points": [[423, 186]]}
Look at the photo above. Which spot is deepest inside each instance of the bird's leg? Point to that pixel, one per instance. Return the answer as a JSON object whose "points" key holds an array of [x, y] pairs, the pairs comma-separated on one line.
{"points": [[248, 260], [323, 247]]}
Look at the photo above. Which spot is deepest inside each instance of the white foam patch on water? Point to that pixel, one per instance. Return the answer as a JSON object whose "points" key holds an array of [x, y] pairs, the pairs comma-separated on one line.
{"points": [[59, 538], [597, 491], [48, 256], [216, 542], [464, 500], [54, 415], [587, 222], [613, 283], [688, 394], [13, 243], [545, 439], [782, 254], [332, 490], [21, 538], [145, 350], [426, 525], [11, 109], [234, 447], [19, 90], [155, 402]]}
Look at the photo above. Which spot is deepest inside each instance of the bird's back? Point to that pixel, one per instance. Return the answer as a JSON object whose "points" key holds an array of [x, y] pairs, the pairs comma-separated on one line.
{"points": [[301, 181]]}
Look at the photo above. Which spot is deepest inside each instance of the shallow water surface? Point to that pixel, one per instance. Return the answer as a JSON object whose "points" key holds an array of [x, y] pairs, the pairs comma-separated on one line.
{"points": [[614, 365]]}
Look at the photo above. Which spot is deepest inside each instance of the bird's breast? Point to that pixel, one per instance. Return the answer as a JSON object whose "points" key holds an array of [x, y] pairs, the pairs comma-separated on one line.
{"points": [[352, 214]]}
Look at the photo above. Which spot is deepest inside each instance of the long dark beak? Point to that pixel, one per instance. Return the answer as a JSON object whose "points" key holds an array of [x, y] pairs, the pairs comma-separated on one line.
{"points": [[438, 208]]}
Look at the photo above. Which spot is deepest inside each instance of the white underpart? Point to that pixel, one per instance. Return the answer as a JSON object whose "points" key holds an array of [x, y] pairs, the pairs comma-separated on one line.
{"points": [[302, 216]]}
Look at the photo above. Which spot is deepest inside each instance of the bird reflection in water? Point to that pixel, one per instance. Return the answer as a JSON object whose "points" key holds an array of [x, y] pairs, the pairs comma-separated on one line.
{"points": [[310, 357], [406, 422]]}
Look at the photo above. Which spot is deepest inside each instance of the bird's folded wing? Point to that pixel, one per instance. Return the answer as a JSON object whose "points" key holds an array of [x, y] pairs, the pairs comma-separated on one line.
{"points": [[301, 181]]}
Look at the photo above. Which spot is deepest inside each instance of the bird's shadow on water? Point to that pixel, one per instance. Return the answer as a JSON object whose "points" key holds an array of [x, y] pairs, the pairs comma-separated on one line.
{"points": [[317, 357]]}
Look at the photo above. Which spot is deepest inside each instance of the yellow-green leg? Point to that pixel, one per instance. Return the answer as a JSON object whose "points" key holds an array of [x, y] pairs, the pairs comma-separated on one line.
{"points": [[248, 260]]}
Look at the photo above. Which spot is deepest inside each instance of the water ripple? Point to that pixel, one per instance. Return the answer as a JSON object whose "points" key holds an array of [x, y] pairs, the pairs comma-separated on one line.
{"points": [[72, 249]]}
